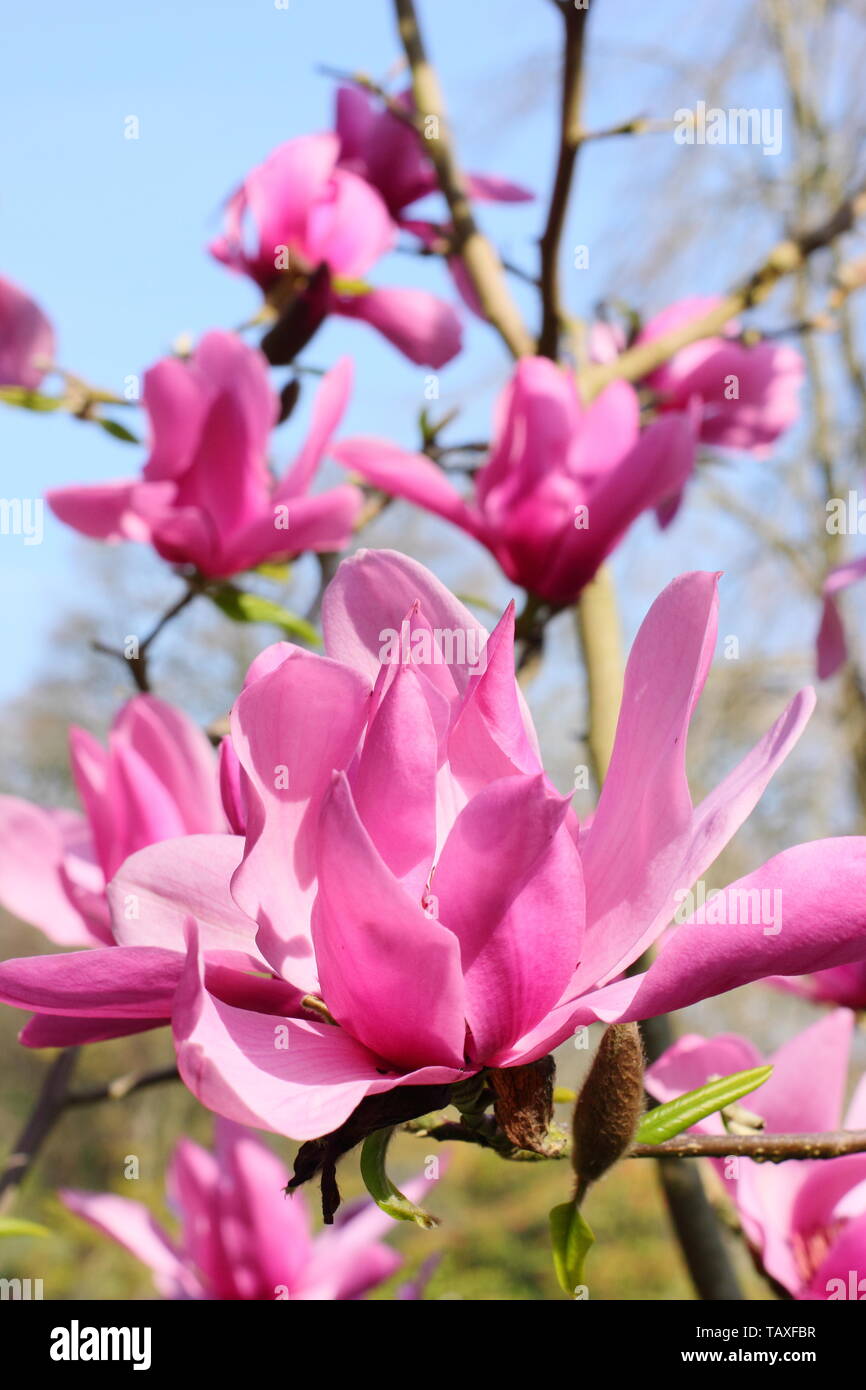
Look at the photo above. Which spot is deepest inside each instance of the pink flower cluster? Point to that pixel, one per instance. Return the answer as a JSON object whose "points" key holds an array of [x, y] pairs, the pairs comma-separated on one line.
{"points": [[408, 871], [241, 1236], [805, 1220]]}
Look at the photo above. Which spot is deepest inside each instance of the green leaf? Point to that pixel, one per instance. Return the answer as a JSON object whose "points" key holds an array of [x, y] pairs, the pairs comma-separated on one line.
{"points": [[674, 1116], [252, 608], [380, 1187], [13, 1226], [119, 431], [30, 400], [352, 287], [571, 1239], [279, 573]]}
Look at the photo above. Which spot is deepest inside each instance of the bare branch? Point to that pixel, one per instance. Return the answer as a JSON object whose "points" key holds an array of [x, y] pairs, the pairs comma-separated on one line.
{"points": [[478, 255]]}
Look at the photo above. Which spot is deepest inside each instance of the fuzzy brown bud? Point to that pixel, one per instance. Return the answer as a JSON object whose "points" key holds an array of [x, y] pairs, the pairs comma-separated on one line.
{"points": [[610, 1104], [524, 1102]]}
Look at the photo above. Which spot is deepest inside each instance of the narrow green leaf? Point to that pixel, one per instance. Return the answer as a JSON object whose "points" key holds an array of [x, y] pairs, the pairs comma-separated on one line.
{"points": [[279, 573], [380, 1187], [13, 1226], [343, 285], [670, 1119], [252, 608], [571, 1238], [119, 431], [30, 400]]}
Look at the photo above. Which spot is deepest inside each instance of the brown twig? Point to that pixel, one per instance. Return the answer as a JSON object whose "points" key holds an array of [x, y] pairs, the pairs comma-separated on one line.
{"points": [[54, 1099], [760, 1148], [122, 1086], [138, 663], [50, 1104], [786, 258], [570, 139]]}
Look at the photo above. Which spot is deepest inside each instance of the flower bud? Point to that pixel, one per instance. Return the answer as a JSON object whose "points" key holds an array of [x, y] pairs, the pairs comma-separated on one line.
{"points": [[610, 1104]]}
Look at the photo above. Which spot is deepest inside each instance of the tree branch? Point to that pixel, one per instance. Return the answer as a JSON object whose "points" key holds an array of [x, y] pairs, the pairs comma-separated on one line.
{"points": [[786, 257], [478, 255], [138, 664], [46, 1112], [570, 139], [54, 1099], [599, 633]]}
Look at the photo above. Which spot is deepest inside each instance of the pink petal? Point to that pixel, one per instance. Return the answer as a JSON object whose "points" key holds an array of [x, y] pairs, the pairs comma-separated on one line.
{"points": [[661, 855], [329, 408], [132, 1226], [411, 476], [33, 882], [159, 887], [104, 511], [389, 973], [290, 729], [423, 327], [373, 591], [823, 896], [394, 784], [290, 1076], [509, 886], [26, 336], [135, 982]]}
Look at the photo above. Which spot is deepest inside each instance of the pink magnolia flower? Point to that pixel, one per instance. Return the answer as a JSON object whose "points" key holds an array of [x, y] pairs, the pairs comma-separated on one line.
{"points": [[26, 336], [206, 496], [805, 1220], [241, 1236], [155, 780], [844, 985], [390, 156], [748, 396], [561, 485], [299, 211], [408, 863]]}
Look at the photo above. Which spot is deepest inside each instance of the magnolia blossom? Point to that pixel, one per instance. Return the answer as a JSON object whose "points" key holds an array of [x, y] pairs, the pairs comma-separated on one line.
{"points": [[408, 865], [748, 396], [390, 156], [155, 779], [805, 1220], [844, 985], [26, 338], [562, 483], [241, 1236], [300, 211], [206, 496]]}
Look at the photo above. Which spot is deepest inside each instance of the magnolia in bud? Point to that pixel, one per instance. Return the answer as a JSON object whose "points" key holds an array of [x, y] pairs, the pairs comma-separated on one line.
{"points": [[610, 1104]]}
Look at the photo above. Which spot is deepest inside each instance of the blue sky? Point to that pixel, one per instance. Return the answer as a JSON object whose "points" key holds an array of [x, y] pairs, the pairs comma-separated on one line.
{"points": [[109, 233]]}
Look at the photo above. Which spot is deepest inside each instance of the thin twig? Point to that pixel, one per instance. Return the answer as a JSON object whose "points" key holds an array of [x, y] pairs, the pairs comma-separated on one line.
{"points": [[138, 663], [569, 144], [122, 1086], [786, 258], [477, 253], [47, 1110], [54, 1099]]}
